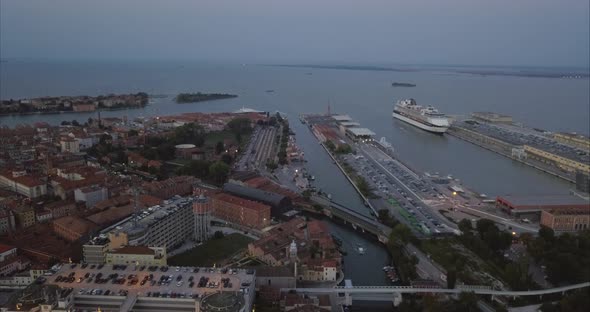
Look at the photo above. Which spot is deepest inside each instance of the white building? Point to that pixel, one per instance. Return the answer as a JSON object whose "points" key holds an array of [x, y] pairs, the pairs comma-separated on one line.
{"points": [[69, 145], [91, 195], [20, 182]]}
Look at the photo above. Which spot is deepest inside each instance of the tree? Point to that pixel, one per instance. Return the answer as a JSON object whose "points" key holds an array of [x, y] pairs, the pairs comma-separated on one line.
{"points": [[197, 168], [465, 226], [226, 158], [330, 145], [451, 278], [484, 225], [219, 147], [218, 235], [65, 123], [133, 133], [546, 233], [75, 123], [401, 233], [240, 125], [218, 172]]}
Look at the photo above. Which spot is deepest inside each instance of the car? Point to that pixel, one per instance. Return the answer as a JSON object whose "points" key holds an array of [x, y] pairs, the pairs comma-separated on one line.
{"points": [[179, 284], [177, 269]]}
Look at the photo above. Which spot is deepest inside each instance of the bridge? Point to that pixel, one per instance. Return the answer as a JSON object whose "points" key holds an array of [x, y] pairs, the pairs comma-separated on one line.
{"points": [[356, 219], [393, 293]]}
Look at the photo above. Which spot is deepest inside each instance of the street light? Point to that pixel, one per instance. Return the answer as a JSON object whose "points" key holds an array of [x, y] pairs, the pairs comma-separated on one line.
{"points": [[454, 193]]}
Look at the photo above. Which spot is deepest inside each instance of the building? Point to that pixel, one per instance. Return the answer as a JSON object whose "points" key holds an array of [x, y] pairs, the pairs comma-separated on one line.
{"points": [[25, 216], [57, 295], [360, 134], [69, 145], [492, 117], [61, 208], [561, 162], [19, 182], [44, 215], [517, 205], [202, 209], [279, 203], [139, 255], [583, 182], [7, 221], [95, 250], [569, 220], [83, 107], [276, 276], [6, 252], [91, 195], [73, 228], [240, 211], [181, 185], [572, 139], [296, 302], [167, 225]]}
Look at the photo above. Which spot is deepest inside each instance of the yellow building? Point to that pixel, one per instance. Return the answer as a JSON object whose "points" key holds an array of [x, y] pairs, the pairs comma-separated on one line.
{"points": [[570, 220], [139, 255], [25, 216], [562, 162], [578, 141]]}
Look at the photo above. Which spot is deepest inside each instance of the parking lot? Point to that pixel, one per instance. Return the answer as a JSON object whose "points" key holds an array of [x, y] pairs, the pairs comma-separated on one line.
{"points": [[259, 149], [151, 281], [403, 191]]}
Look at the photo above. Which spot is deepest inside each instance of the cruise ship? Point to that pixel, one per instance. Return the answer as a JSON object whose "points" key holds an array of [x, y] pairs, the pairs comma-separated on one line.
{"points": [[426, 118]]}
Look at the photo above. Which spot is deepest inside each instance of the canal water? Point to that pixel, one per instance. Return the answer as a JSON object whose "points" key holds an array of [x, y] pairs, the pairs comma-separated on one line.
{"points": [[367, 96]]}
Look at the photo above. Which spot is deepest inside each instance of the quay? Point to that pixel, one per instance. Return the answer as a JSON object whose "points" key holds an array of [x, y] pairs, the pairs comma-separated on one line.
{"points": [[542, 151]]}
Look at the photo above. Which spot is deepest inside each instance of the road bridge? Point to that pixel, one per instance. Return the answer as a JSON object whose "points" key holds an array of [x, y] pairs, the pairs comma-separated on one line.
{"points": [[393, 293], [356, 219]]}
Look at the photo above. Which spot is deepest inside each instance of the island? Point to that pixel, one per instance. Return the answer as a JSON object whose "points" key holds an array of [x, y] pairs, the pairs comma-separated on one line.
{"points": [[72, 104], [402, 84], [201, 97]]}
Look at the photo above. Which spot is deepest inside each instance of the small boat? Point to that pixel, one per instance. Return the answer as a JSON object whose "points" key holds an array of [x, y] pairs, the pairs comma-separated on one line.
{"points": [[361, 250]]}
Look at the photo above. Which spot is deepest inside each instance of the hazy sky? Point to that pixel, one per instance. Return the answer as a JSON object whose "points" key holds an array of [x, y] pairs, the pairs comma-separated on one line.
{"points": [[471, 32]]}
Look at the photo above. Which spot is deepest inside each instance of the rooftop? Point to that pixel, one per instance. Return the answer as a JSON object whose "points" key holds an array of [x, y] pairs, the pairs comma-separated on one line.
{"points": [[5, 248], [361, 131], [134, 250], [249, 204], [341, 117], [544, 200]]}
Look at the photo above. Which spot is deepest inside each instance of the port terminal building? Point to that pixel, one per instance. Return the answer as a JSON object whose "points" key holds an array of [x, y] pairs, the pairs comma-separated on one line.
{"points": [[518, 205]]}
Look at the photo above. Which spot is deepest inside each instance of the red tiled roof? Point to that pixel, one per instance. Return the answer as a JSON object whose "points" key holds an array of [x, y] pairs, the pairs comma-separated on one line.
{"points": [[240, 201], [5, 248]]}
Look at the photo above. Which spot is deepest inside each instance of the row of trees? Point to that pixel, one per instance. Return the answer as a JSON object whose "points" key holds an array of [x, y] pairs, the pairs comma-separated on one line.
{"points": [[216, 172], [284, 141], [566, 257], [406, 265]]}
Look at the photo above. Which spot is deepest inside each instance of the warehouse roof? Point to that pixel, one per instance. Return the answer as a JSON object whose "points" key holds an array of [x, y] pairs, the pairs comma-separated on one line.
{"points": [[341, 117], [544, 200], [273, 199], [361, 132]]}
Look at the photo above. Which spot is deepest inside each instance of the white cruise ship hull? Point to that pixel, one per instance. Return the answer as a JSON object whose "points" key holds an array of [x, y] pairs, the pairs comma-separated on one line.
{"points": [[420, 125]]}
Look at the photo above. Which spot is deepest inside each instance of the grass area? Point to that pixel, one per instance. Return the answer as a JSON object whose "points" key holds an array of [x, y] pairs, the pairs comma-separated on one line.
{"points": [[212, 251], [212, 138]]}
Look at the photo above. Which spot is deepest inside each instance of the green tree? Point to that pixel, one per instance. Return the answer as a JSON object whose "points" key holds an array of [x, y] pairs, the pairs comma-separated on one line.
{"points": [[240, 125], [133, 133], [451, 278], [465, 226], [218, 172], [219, 147], [330, 145], [218, 235], [226, 158], [197, 168]]}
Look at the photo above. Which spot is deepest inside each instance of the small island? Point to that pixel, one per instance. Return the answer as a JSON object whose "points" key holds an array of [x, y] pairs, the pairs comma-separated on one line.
{"points": [[73, 104], [201, 97], [402, 84]]}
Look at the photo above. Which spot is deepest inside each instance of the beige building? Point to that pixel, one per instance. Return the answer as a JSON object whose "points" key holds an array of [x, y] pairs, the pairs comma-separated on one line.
{"points": [[562, 162], [570, 220], [139, 255], [69, 145], [19, 182], [571, 139]]}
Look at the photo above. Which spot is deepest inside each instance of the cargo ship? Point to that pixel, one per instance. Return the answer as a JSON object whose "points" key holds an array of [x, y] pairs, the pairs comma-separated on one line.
{"points": [[426, 118]]}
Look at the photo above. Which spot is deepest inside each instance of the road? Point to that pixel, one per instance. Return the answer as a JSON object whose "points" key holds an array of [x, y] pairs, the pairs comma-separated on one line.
{"points": [[426, 268]]}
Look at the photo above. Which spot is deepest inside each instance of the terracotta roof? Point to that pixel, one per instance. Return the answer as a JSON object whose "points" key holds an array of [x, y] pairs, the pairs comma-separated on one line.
{"points": [[75, 224], [5, 248], [27, 180], [134, 250], [248, 204]]}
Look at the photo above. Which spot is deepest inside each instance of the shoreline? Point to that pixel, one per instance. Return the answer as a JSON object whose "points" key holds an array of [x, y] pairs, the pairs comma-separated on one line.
{"points": [[71, 112]]}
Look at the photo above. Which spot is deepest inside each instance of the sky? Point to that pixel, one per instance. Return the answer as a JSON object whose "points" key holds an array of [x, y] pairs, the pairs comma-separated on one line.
{"points": [[468, 32]]}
